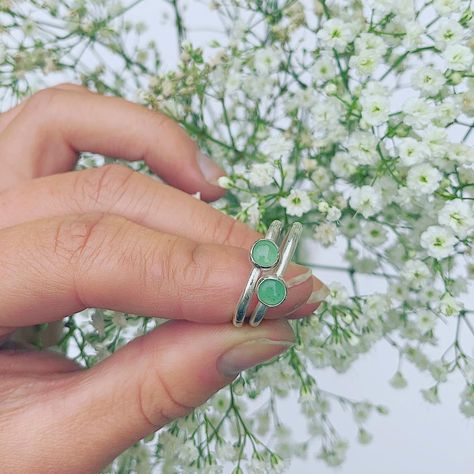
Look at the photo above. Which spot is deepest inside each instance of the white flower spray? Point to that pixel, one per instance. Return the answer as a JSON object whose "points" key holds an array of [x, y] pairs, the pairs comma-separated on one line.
{"points": [[355, 118]]}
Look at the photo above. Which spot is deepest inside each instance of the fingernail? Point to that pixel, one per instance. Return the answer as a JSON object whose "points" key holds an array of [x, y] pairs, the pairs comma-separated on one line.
{"points": [[319, 295], [296, 280], [249, 354], [210, 170]]}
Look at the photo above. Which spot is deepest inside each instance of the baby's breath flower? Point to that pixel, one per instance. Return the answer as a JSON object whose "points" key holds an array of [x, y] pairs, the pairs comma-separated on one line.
{"points": [[326, 233], [366, 200], [324, 68], [343, 165], [335, 34], [438, 241], [425, 320], [266, 60], [411, 151], [363, 436], [370, 42], [466, 404], [436, 141], [224, 182], [338, 294], [296, 203], [458, 215], [261, 174], [416, 273], [428, 80], [431, 395], [398, 380], [335, 453], [413, 32], [321, 177], [375, 109], [361, 411], [439, 371], [418, 113], [277, 148], [444, 7], [333, 214], [458, 57], [364, 63], [423, 179], [350, 226], [449, 31], [374, 234], [448, 306]]}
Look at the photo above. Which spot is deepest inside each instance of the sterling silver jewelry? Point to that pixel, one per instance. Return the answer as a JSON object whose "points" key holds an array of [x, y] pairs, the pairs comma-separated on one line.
{"points": [[271, 289], [264, 254]]}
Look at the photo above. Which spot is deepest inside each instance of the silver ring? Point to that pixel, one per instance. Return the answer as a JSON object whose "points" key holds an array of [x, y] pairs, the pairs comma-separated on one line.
{"points": [[268, 261], [276, 289]]}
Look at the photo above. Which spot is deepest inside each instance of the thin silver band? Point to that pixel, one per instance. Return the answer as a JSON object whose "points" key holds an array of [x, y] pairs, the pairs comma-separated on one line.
{"points": [[287, 251], [273, 233]]}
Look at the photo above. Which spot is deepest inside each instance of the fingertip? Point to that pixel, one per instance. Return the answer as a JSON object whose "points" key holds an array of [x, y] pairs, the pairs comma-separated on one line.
{"points": [[318, 296], [211, 172], [209, 169], [280, 329]]}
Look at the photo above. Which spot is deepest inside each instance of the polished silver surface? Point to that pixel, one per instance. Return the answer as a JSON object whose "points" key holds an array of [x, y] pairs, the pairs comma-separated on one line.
{"points": [[273, 233], [287, 251]]}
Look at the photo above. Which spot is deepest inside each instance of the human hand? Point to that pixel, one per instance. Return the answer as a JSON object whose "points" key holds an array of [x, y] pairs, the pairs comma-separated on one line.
{"points": [[113, 238]]}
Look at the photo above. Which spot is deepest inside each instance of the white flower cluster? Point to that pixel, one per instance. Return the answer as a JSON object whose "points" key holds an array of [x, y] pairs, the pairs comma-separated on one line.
{"points": [[354, 118], [369, 144]]}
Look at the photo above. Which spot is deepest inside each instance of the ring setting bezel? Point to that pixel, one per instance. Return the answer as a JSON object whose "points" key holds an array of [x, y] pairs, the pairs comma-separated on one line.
{"points": [[259, 260], [264, 281]]}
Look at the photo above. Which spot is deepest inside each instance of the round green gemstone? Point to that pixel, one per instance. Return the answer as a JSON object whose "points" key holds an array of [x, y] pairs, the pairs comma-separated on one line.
{"points": [[271, 291], [265, 253]]}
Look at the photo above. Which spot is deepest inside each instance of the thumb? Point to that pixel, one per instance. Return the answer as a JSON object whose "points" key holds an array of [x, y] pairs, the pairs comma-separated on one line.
{"points": [[157, 378]]}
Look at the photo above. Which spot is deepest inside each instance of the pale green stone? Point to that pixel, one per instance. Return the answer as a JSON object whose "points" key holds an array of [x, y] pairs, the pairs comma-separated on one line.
{"points": [[265, 253], [271, 291]]}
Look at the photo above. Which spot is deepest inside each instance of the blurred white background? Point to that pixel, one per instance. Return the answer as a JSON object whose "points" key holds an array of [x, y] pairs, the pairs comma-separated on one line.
{"points": [[415, 437]]}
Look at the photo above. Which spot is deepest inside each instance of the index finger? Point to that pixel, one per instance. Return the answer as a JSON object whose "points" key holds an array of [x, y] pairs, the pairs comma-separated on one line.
{"points": [[45, 135], [119, 190]]}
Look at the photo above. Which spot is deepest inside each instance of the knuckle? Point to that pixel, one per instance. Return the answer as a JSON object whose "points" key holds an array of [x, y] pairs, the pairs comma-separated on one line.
{"points": [[160, 270], [101, 187], [44, 107], [180, 268], [45, 99], [186, 266], [159, 402], [86, 243], [76, 237], [70, 86], [226, 231], [196, 268], [46, 104]]}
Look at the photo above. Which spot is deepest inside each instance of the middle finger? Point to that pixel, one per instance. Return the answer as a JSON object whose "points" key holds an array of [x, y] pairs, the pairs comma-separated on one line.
{"points": [[58, 266]]}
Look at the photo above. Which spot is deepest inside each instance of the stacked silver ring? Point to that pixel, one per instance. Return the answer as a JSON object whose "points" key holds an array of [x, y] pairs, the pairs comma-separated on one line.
{"points": [[266, 276]]}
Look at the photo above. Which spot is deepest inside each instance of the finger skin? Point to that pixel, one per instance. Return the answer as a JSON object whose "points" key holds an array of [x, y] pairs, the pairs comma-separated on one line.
{"points": [[119, 190], [7, 117], [53, 267], [80, 422], [20, 358], [45, 134]]}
